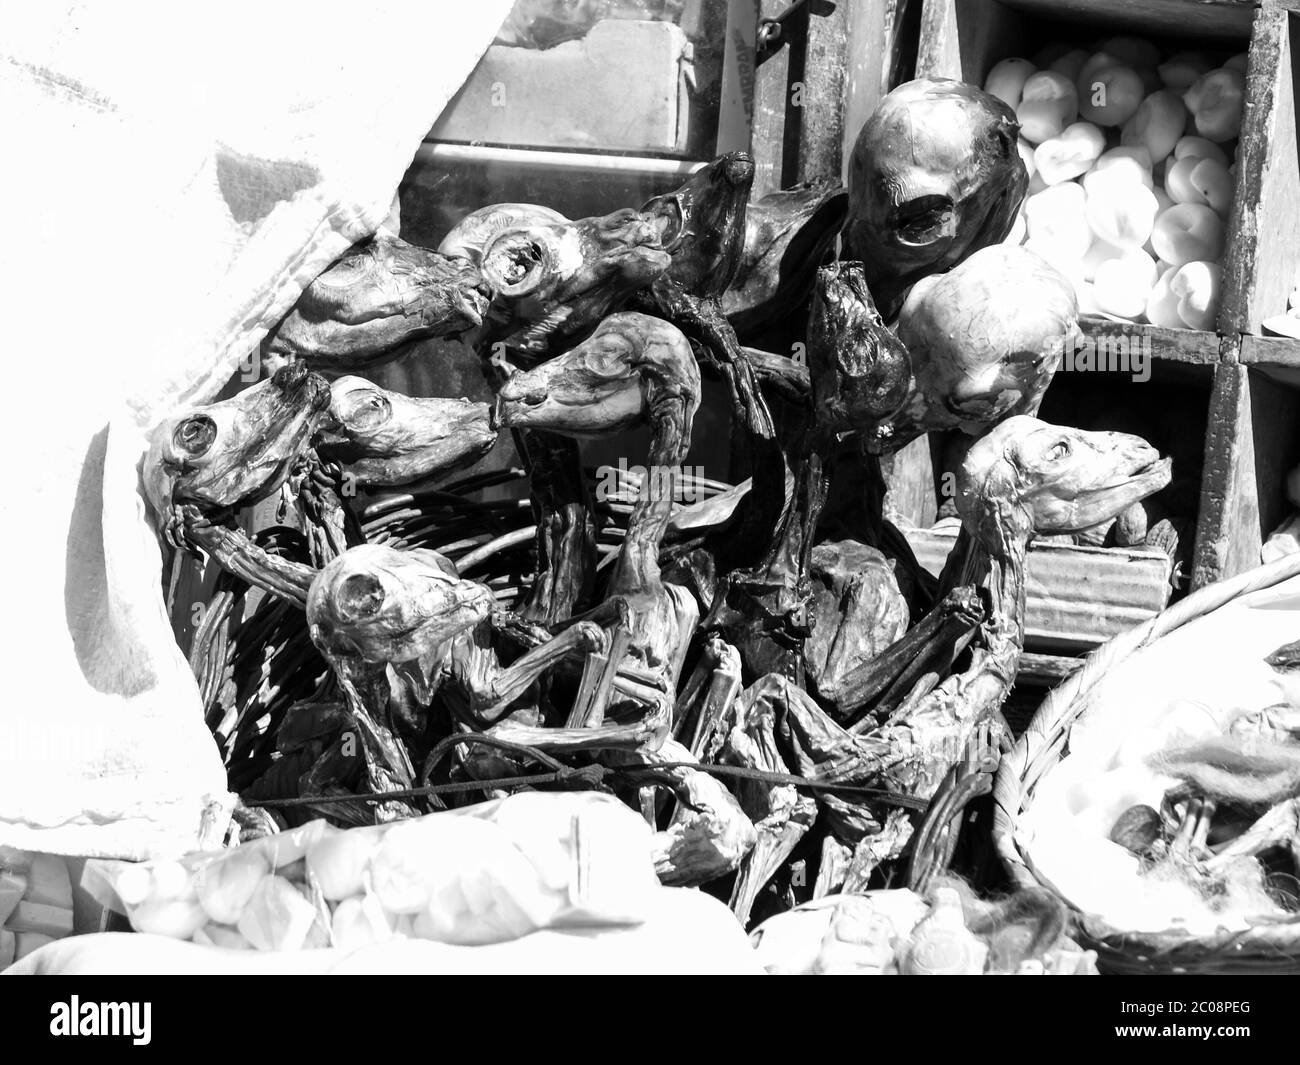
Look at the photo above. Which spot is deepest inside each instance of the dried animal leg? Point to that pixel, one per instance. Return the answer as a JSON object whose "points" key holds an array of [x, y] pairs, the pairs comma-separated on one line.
{"points": [[646, 735], [708, 834], [925, 650], [873, 851], [566, 528], [782, 815], [833, 867], [237, 554], [787, 821], [724, 687], [1279, 827], [388, 766], [491, 687]]}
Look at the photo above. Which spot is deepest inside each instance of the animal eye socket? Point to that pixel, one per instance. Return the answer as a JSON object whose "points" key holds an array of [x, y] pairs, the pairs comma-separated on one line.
{"points": [[360, 597], [195, 435], [920, 220], [1058, 450], [367, 410], [519, 262]]}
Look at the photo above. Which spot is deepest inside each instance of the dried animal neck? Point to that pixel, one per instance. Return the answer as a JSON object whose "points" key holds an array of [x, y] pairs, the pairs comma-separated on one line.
{"points": [[388, 767], [638, 562], [1000, 552], [947, 717]]}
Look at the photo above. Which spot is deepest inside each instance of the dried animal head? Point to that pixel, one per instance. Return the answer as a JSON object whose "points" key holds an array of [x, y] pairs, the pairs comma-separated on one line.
{"points": [[984, 340], [1027, 476], [787, 235], [702, 224], [553, 282], [382, 605], [614, 379], [380, 295], [469, 238], [386, 438], [934, 175], [860, 370], [238, 451]]}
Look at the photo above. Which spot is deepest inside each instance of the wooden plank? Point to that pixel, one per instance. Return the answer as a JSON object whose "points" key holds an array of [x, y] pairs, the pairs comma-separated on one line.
{"points": [[820, 104], [881, 54], [1252, 443], [1228, 528], [1133, 339], [964, 38], [1047, 671], [771, 100], [1264, 226], [1275, 412], [1186, 18], [1274, 351]]}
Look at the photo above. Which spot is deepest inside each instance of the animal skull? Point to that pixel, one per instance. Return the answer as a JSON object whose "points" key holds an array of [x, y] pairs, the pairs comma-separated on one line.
{"points": [[934, 176]]}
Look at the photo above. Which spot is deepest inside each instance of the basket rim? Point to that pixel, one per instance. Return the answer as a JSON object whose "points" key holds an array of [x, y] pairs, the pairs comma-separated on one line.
{"points": [[1042, 746]]}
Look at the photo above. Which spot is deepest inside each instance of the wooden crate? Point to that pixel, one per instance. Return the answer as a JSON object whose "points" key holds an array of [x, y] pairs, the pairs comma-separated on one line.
{"points": [[1203, 376], [1236, 407], [1255, 421], [964, 39], [1254, 442], [1259, 272]]}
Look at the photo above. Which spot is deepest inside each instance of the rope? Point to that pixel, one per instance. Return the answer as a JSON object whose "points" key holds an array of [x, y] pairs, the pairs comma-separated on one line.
{"points": [[593, 776]]}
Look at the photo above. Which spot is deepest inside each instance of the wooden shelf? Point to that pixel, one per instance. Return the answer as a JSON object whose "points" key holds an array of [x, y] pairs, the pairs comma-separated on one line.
{"points": [[1191, 347], [1245, 375], [1271, 351]]}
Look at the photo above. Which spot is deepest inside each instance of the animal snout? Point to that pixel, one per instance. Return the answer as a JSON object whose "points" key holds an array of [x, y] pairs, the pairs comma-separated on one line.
{"points": [[739, 168], [520, 389]]}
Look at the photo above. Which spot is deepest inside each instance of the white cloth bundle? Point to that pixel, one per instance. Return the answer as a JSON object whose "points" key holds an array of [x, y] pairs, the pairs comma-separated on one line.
{"points": [[174, 176]]}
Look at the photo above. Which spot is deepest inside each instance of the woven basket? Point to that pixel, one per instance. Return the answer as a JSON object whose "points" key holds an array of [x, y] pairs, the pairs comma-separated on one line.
{"points": [[1265, 948]]}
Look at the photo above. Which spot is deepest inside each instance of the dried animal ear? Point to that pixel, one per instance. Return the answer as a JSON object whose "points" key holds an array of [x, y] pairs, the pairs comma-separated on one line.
{"points": [[1005, 135], [516, 263]]}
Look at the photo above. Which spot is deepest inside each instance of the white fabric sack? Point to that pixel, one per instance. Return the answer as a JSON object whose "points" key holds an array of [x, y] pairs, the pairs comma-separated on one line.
{"points": [[685, 932], [173, 176]]}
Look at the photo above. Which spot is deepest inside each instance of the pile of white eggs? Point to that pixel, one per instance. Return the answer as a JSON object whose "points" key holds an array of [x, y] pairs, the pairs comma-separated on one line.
{"points": [[1131, 180]]}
